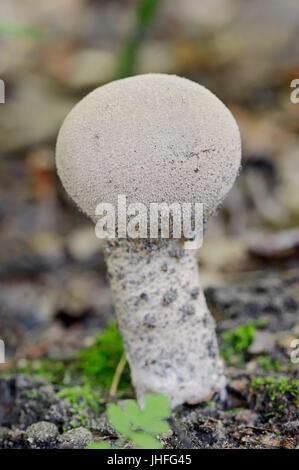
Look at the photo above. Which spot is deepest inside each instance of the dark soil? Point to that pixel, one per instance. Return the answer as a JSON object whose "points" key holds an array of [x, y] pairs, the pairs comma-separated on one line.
{"points": [[249, 417]]}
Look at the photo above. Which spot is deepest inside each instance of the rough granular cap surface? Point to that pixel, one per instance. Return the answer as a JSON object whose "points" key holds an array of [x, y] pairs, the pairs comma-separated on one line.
{"points": [[153, 138]]}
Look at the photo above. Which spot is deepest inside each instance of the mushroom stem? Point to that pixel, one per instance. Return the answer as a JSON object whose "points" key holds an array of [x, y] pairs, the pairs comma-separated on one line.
{"points": [[168, 331]]}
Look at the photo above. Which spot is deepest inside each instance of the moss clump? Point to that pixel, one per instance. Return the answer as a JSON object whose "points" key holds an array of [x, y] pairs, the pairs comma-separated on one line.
{"points": [[85, 378], [236, 410], [93, 367], [279, 393], [83, 399], [81, 394], [267, 364], [235, 343], [98, 364], [56, 372]]}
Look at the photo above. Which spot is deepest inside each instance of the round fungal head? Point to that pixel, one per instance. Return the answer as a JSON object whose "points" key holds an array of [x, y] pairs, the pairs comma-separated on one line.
{"points": [[154, 138]]}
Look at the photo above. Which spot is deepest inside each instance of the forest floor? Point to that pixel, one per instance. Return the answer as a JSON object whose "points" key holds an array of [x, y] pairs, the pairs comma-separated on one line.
{"points": [[257, 321]]}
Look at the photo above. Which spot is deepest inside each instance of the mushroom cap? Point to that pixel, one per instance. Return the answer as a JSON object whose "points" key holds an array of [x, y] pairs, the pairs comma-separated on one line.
{"points": [[154, 138]]}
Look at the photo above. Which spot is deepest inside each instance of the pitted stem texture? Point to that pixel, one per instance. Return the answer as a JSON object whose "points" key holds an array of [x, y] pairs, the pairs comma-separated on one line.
{"points": [[168, 331]]}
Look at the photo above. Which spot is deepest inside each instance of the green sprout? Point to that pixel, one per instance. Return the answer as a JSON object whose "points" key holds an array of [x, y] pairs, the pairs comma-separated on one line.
{"points": [[98, 363], [144, 14], [266, 363], [235, 343], [281, 392]]}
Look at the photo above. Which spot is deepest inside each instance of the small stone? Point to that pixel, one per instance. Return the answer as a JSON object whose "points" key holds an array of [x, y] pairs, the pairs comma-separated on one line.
{"points": [[288, 443], [101, 425], [42, 433], [11, 438], [247, 416], [83, 244], [76, 438], [264, 342], [251, 366], [270, 441], [238, 385]]}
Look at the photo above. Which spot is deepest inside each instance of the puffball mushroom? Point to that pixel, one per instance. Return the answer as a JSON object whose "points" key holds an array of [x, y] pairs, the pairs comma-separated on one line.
{"points": [[164, 139]]}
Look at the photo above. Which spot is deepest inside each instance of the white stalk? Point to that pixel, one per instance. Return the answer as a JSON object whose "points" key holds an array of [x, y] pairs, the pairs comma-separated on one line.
{"points": [[168, 331]]}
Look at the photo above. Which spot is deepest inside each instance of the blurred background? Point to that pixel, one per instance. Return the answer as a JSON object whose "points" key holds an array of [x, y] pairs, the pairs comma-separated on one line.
{"points": [[54, 295]]}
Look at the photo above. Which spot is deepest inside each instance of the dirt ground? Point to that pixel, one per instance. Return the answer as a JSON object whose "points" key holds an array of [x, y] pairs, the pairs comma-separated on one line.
{"points": [[249, 417]]}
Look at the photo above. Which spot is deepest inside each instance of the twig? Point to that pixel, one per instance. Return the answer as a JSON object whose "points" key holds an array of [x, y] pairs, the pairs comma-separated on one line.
{"points": [[257, 428], [118, 374]]}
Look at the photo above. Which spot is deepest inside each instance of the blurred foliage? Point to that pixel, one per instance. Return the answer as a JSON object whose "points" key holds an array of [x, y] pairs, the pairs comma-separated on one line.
{"points": [[267, 363], [98, 364], [236, 342], [144, 14], [279, 390], [83, 398], [81, 393], [83, 377], [93, 367], [19, 31], [138, 426], [56, 372]]}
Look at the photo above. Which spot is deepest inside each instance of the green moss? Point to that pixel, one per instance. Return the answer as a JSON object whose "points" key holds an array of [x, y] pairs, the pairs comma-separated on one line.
{"points": [[235, 343], [281, 392], [98, 364], [32, 394], [268, 364], [56, 372], [92, 367], [83, 398], [209, 404], [277, 386], [20, 31], [236, 410], [86, 377], [81, 394]]}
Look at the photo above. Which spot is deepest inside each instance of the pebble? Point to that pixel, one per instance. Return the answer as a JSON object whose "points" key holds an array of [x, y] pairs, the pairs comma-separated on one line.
{"points": [[264, 342], [76, 438], [42, 433]]}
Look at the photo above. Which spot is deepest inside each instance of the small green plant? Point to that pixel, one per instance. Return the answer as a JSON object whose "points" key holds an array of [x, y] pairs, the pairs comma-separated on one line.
{"points": [[82, 398], [236, 342], [32, 394], [236, 410], [277, 386], [56, 372], [209, 404], [281, 391], [144, 14], [81, 394], [98, 364], [268, 364], [138, 426], [94, 366]]}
